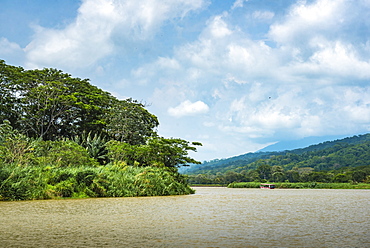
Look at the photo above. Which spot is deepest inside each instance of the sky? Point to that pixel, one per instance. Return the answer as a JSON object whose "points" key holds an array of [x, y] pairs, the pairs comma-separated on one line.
{"points": [[235, 75]]}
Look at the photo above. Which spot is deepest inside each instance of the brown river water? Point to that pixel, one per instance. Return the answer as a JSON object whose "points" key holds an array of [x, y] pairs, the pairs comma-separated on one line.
{"points": [[213, 217]]}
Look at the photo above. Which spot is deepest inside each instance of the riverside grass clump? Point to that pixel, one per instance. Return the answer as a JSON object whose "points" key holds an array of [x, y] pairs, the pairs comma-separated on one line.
{"points": [[307, 185], [112, 180]]}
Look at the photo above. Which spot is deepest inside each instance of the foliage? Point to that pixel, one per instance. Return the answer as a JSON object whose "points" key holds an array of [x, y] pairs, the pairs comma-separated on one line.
{"points": [[37, 169], [15, 147], [62, 154], [244, 185], [359, 174], [128, 121], [95, 145], [29, 183], [49, 104], [63, 137], [159, 152]]}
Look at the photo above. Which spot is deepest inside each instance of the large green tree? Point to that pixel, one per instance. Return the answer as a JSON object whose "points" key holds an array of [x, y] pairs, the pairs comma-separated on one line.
{"points": [[50, 104], [53, 104]]}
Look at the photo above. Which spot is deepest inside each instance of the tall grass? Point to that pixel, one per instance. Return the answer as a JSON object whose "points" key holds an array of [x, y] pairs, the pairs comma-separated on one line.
{"points": [[30, 183]]}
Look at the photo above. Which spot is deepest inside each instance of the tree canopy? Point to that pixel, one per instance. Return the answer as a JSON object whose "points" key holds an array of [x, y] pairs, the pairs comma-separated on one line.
{"points": [[51, 105]]}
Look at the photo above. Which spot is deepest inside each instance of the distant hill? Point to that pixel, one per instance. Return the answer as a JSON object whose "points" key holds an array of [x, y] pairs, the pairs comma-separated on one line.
{"points": [[323, 156]]}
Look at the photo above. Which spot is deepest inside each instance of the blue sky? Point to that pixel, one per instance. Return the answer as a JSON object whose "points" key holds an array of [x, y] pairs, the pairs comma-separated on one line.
{"points": [[235, 75]]}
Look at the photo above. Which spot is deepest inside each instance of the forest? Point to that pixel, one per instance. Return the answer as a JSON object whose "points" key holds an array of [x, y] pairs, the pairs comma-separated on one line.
{"points": [[63, 137], [340, 161]]}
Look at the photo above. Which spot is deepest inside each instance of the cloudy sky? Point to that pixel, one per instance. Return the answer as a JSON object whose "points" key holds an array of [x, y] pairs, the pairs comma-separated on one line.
{"points": [[236, 75]]}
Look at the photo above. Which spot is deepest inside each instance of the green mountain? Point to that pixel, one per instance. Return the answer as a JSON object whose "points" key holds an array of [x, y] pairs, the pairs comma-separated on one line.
{"points": [[331, 155]]}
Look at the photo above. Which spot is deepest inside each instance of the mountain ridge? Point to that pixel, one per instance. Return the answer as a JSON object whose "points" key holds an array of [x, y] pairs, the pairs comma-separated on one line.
{"points": [[232, 163]]}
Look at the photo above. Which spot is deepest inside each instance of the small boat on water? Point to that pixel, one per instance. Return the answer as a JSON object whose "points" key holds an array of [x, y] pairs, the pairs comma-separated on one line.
{"points": [[267, 186]]}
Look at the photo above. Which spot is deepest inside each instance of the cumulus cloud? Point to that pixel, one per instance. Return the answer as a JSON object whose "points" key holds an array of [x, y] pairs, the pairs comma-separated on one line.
{"points": [[90, 37], [218, 28], [188, 108], [305, 21], [309, 82]]}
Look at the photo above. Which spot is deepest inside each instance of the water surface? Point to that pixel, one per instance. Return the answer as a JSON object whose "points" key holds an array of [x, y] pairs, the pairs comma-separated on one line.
{"points": [[213, 217]]}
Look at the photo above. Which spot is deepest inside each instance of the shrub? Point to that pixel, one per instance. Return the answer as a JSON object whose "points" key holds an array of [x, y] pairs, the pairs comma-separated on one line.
{"points": [[63, 154]]}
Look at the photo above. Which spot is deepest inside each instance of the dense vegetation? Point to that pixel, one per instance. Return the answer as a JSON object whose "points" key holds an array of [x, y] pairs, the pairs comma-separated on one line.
{"points": [[339, 161], [63, 137]]}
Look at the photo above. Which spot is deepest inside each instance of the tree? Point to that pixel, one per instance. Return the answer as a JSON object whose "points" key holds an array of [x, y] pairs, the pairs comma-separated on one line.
{"points": [[232, 176], [171, 152], [158, 151], [277, 173], [264, 171], [50, 104], [341, 178], [53, 104], [292, 176], [128, 121], [9, 102], [252, 175], [359, 176]]}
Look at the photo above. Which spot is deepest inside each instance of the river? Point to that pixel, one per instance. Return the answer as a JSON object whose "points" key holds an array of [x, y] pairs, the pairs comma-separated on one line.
{"points": [[213, 217]]}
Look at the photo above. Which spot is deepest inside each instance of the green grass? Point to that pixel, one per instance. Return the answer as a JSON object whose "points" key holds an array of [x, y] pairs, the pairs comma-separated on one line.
{"points": [[308, 185], [208, 185]]}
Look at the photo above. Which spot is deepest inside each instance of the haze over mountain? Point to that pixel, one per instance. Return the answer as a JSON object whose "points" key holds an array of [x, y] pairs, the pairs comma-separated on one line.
{"points": [[301, 143]]}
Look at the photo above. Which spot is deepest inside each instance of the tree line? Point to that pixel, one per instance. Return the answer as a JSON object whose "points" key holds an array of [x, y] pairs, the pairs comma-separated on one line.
{"points": [[267, 173], [339, 162]]}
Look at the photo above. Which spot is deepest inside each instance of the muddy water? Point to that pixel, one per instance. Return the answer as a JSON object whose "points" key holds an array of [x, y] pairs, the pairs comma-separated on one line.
{"points": [[213, 217]]}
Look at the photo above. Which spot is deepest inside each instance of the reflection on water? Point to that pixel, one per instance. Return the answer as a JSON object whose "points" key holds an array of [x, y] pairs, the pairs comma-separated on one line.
{"points": [[213, 217]]}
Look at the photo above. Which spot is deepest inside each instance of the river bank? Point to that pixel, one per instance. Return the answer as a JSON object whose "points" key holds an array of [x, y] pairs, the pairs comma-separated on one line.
{"points": [[308, 185], [112, 180]]}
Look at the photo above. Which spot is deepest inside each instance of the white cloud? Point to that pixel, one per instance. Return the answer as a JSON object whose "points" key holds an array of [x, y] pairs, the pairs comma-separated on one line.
{"points": [[305, 21], [218, 28], [238, 4], [341, 60], [263, 15], [267, 92], [90, 37], [188, 108], [7, 47]]}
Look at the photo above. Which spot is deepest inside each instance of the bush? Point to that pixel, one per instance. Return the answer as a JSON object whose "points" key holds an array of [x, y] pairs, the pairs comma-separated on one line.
{"points": [[63, 154], [22, 183]]}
